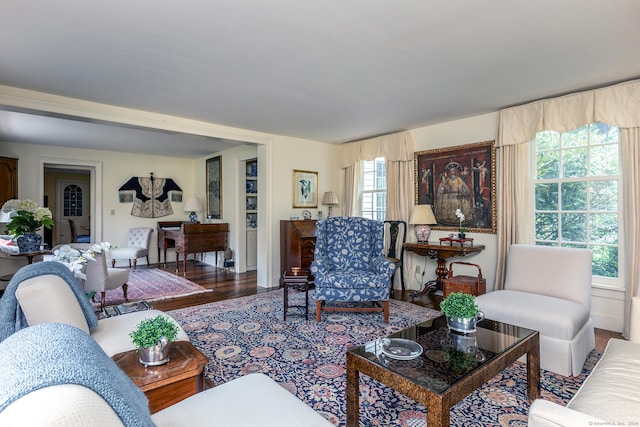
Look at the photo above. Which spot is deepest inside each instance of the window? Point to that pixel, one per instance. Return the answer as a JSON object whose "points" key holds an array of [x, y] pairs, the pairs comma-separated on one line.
{"points": [[374, 189], [72, 199], [577, 204]]}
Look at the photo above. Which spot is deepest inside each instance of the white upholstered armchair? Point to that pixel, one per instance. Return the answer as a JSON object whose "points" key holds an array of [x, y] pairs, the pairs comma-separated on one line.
{"points": [[138, 240], [548, 289]]}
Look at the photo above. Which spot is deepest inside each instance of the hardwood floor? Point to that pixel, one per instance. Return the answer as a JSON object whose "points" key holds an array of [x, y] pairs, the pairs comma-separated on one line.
{"points": [[230, 285]]}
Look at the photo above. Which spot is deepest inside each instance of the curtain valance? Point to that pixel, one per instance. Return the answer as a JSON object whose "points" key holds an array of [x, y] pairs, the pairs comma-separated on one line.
{"points": [[617, 105], [393, 147]]}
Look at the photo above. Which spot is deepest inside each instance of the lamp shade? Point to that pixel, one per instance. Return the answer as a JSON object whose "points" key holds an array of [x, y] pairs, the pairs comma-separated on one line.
{"points": [[330, 198], [193, 205], [5, 216], [421, 216]]}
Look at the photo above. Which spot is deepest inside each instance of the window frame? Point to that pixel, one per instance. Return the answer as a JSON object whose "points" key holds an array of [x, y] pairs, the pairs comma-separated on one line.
{"points": [[378, 214], [617, 282]]}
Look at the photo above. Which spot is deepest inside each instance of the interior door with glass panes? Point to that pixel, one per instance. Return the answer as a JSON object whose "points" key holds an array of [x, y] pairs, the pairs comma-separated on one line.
{"points": [[73, 203]]}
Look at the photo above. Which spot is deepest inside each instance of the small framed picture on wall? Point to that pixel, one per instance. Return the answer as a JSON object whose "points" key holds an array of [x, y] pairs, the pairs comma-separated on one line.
{"points": [[305, 189]]}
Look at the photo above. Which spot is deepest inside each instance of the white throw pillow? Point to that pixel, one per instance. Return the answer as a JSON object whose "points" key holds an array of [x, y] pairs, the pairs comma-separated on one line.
{"points": [[48, 299]]}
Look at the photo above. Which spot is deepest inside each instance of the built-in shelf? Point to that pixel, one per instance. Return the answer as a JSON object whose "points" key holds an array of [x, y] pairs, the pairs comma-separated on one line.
{"points": [[251, 212]]}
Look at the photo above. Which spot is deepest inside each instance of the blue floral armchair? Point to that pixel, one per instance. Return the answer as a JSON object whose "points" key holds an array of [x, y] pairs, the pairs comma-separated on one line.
{"points": [[349, 265]]}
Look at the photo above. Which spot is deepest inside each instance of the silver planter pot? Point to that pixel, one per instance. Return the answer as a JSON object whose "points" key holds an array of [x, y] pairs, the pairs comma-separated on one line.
{"points": [[464, 325], [156, 355]]}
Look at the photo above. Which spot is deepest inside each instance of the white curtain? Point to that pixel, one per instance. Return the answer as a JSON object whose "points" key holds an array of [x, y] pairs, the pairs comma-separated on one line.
{"points": [[512, 202], [631, 216], [617, 105]]}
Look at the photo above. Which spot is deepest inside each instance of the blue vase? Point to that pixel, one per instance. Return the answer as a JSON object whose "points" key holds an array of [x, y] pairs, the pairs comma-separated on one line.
{"points": [[29, 242]]}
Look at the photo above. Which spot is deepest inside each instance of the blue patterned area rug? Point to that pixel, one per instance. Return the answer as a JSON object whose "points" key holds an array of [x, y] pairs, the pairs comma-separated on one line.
{"points": [[245, 335]]}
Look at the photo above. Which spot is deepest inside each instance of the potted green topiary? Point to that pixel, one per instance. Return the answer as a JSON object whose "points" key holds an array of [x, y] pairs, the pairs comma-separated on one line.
{"points": [[462, 312], [152, 338]]}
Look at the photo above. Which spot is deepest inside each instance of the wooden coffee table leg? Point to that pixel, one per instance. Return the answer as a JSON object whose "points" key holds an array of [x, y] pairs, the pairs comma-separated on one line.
{"points": [[286, 302], [533, 372], [437, 415], [353, 395]]}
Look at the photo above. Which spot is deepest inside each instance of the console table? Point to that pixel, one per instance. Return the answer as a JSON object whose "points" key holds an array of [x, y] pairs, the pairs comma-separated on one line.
{"points": [[191, 237], [440, 253]]}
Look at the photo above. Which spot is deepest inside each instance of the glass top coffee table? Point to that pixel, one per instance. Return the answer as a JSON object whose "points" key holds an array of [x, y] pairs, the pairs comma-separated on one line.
{"points": [[445, 367]]}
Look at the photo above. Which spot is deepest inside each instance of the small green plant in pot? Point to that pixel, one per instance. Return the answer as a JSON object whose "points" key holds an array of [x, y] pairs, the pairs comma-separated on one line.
{"points": [[462, 312], [152, 337]]}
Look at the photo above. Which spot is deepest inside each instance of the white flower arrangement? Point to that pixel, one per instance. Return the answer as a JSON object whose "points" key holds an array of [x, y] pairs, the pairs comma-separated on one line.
{"points": [[75, 259], [26, 217], [460, 216]]}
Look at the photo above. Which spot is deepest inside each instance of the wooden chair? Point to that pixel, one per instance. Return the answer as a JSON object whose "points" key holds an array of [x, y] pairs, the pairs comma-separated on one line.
{"points": [[75, 238], [395, 248]]}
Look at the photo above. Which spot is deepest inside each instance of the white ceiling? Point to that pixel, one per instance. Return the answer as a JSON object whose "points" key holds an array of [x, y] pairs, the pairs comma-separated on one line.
{"points": [[331, 70]]}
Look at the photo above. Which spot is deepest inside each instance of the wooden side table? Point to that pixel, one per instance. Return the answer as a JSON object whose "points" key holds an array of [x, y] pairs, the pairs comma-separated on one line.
{"points": [[167, 384], [440, 253], [298, 280], [29, 256]]}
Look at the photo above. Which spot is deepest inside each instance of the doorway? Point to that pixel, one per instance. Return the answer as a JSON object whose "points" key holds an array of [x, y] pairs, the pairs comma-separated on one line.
{"points": [[72, 204], [54, 176]]}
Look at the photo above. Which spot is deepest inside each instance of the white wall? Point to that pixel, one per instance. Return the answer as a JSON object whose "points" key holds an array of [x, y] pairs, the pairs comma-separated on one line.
{"points": [[117, 168], [277, 160], [278, 157], [289, 154], [459, 132], [607, 303]]}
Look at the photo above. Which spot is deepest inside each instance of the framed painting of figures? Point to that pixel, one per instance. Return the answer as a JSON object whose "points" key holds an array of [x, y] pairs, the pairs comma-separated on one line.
{"points": [[461, 177]]}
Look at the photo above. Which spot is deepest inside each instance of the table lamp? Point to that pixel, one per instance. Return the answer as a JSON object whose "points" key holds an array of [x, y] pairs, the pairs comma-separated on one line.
{"points": [[193, 205], [421, 217], [330, 199]]}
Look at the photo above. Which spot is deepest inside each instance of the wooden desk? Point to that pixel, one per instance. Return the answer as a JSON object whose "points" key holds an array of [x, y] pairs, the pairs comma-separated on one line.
{"points": [[189, 238], [167, 384], [440, 253]]}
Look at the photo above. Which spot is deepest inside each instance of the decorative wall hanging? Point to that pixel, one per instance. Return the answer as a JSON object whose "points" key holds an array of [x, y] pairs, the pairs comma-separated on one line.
{"points": [[214, 187], [461, 177], [305, 189], [150, 195]]}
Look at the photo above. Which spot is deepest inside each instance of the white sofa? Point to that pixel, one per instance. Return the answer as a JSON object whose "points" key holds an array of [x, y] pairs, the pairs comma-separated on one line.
{"points": [[548, 289], [50, 306], [609, 396], [48, 298]]}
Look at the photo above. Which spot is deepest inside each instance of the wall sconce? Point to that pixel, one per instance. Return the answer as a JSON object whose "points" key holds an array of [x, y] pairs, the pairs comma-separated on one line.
{"points": [[421, 216], [330, 199], [193, 205]]}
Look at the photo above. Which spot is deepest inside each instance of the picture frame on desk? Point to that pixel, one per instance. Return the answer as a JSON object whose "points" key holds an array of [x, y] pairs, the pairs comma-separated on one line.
{"points": [[214, 187], [461, 177]]}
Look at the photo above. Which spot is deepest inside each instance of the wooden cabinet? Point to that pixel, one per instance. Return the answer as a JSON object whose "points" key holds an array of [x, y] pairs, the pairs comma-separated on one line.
{"points": [[297, 243], [8, 179]]}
